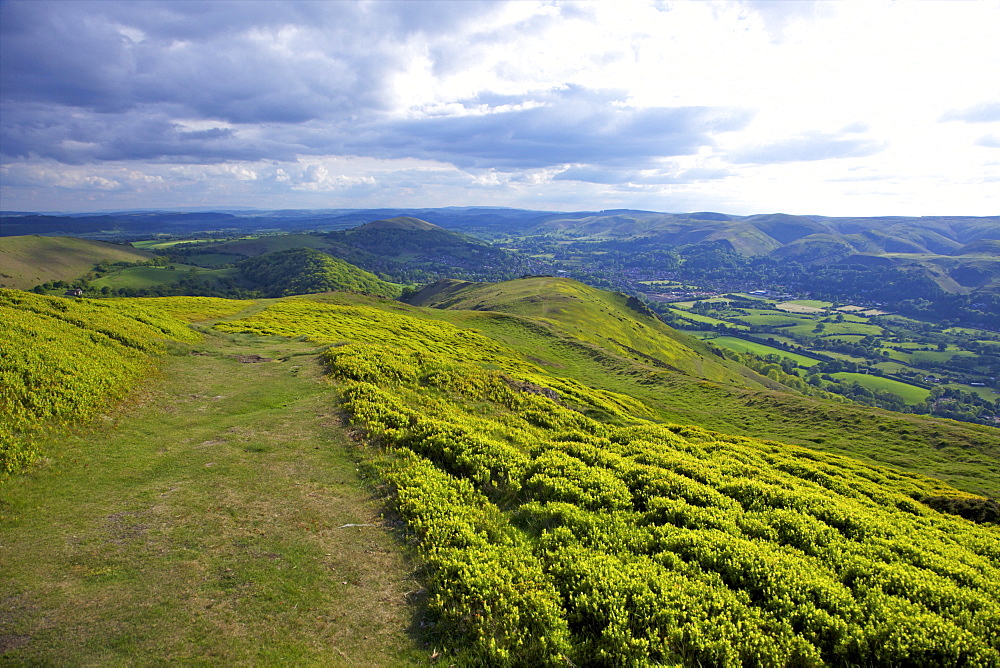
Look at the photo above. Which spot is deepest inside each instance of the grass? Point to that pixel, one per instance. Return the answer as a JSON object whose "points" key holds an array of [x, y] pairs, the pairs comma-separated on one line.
{"points": [[27, 261], [814, 303], [148, 277], [744, 346], [704, 319], [987, 393], [157, 244], [770, 320], [794, 307], [213, 259], [205, 523], [911, 394]]}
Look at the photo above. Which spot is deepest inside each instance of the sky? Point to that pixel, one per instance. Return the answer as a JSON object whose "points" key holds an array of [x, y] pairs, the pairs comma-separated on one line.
{"points": [[835, 108]]}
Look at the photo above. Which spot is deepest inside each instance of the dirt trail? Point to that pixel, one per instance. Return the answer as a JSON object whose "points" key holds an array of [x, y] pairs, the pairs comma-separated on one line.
{"points": [[219, 517]]}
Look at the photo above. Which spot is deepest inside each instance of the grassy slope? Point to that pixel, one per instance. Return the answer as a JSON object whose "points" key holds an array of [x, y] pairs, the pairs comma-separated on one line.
{"points": [[27, 261], [964, 455], [202, 524], [261, 245], [150, 277], [593, 316]]}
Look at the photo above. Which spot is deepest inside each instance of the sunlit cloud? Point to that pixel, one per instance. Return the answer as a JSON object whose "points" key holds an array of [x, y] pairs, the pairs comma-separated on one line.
{"points": [[742, 106]]}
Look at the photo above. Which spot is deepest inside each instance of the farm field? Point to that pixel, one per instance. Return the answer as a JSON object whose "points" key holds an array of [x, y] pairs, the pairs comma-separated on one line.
{"points": [[910, 393], [213, 259], [794, 307], [701, 319], [162, 244], [744, 346], [859, 337], [149, 277]]}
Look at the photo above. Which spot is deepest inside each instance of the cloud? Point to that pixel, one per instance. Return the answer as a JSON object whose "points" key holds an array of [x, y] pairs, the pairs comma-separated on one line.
{"points": [[590, 174], [989, 141], [529, 102], [984, 112], [106, 81], [570, 125], [808, 147]]}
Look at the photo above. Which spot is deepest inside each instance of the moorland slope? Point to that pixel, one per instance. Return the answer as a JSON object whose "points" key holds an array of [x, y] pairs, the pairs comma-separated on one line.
{"points": [[27, 261], [557, 513]]}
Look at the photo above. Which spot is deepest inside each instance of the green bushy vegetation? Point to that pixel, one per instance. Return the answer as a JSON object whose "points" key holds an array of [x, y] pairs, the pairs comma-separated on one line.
{"points": [[299, 271], [549, 536], [561, 521], [65, 360]]}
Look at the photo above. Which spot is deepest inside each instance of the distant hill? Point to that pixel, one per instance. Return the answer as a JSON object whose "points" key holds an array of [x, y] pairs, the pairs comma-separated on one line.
{"points": [[298, 271], [27, 261], [408, 249], [400, 223], [115, 225]]}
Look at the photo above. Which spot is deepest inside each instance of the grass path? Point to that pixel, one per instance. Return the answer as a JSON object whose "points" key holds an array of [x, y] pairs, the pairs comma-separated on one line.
{"points": [[205, 524]]}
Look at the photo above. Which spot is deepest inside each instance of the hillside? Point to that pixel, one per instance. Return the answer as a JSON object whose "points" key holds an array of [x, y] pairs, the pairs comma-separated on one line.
{"points": [[596, 338], [299, 271], [610, 321], [27, 261], [554, 513]]}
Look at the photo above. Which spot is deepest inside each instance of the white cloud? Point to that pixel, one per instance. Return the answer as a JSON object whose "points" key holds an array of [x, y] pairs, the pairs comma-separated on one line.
{"points": [[877, 106]]}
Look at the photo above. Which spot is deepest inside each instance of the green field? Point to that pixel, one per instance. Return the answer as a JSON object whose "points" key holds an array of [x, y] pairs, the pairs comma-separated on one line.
{"points": [[815, 303], [213, 259], [148, 277], [708, 320], [771, 319], [155, 244], [988, 393], [833, 328], [911, 394], [744, 346], [27, 261]]}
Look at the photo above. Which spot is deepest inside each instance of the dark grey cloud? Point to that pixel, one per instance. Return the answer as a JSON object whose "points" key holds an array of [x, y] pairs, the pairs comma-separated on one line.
{"points": [[809, 147], [571, 125], [241, 62], [985, 112], [204, 82]]}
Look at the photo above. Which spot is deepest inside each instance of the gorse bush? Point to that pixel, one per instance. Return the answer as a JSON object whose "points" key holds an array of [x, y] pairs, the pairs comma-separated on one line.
{"points": [[550, 537]]}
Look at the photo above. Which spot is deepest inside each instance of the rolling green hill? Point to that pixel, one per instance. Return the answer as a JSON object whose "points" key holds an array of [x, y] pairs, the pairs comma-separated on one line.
{"points": [[596, 338], [27, 261], [299, 271], [611, 321], [575, 483]]}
